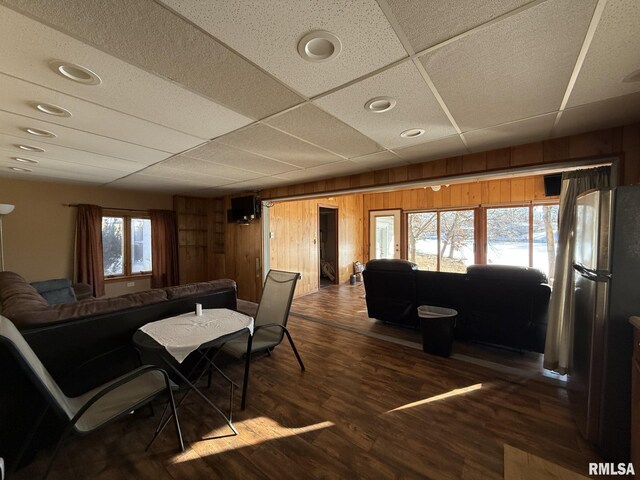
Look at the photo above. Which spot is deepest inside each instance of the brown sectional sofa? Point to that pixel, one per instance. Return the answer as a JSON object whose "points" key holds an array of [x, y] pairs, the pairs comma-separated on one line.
{"points": [[65, 336]]}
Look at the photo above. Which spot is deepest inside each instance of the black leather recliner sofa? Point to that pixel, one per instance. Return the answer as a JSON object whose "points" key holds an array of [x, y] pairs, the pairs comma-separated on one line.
{"points": [[498, 304]]}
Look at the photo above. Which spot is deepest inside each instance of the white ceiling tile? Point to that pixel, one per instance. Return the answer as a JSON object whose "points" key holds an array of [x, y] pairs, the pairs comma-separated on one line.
{"points": [[13, 124], [183, 162], [267, 32], [416, 107], [18, 96], [442, 148], [338, 169], [225, 155], [612, 112], [28, 46], [147, 35], [614, 54], [510, 134], [379, 160], [157, 183], [189, 176], [9, 144], [257, 184], [264, 140], [429, 22], [513, 69], [318, 127], [55, 166]]}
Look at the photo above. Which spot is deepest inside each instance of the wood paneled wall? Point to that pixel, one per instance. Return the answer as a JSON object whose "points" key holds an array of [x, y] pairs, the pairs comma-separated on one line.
{"points": [[294, 246], [622, 141], [193, 239], [491, 192]]}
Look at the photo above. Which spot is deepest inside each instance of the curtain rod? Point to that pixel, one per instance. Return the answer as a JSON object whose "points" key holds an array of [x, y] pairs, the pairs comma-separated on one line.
{"points": [[111, 208]]}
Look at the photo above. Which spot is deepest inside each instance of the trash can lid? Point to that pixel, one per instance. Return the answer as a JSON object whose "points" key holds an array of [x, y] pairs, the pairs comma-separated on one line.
{"points": [[429, 311]]}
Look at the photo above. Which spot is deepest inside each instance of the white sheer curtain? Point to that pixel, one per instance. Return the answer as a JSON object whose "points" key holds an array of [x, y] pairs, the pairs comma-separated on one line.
{"points": [[557, 349]]}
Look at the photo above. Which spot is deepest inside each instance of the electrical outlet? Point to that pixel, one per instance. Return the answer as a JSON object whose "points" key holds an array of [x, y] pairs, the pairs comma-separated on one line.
{"points": [[131, 284], [272, 234]]}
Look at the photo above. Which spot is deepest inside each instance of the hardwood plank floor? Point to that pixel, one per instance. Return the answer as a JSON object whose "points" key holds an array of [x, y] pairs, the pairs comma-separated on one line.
{"points": [[364, 408]]}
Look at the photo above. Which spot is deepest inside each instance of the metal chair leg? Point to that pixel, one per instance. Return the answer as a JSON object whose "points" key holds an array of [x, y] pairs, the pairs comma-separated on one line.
{"points": [[295, 350], [27, 442], [175, 419], [63, 437]]}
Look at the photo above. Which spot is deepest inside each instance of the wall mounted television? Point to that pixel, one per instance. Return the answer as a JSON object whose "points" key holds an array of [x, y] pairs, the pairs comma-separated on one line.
{"points": [[243, 209]]}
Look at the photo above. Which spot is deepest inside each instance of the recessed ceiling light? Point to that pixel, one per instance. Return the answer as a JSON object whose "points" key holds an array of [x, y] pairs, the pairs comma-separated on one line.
{"points": [[77, 73], [52, 109], [380, 104], [39, 133], [412, 133], [632, 77], [24, 160], [29, 148], [319, 46], [18, 169]]}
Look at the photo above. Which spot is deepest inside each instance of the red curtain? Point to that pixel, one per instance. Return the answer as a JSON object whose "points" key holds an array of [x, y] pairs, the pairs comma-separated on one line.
{"points": [[89, 266], [164, 248]]}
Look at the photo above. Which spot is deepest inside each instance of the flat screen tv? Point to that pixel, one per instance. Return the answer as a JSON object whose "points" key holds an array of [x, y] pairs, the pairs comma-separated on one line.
{"points": [[552, 184], [244, 209]]}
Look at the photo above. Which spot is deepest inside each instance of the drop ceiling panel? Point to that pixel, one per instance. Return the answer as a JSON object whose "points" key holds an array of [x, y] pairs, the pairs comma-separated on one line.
{"points": [[183, 162], [516, 68], [153, 38], [155, 184], [379, 160], [222, 154], [248, 185], [416, 107], [28, 47], [9, 143], [264, 140], [510, 134], [442, 148], [612, 112], [189, 176], [614, 53], [20, 97], [267, 32], [316, 126], [13, 124], [54, 169], [429, 22], [338, 169]]}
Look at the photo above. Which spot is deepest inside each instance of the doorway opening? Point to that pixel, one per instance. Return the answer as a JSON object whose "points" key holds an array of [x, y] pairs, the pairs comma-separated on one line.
{"points": [[328, 246]]}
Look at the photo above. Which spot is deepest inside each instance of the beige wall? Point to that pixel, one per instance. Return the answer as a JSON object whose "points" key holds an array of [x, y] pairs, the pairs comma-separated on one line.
{"points": [[39, 233]]}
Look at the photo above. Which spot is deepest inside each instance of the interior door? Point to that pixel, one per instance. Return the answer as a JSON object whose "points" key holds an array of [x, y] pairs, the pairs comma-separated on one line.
{"points": [[384, 234]]}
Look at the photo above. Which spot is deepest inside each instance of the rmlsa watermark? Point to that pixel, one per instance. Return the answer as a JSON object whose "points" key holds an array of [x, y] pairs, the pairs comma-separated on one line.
{"points": [[611, 469]]}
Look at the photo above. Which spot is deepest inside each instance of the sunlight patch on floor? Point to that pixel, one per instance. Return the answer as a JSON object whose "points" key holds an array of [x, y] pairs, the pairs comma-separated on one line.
{"points": [[252, 432], [437, 398]]}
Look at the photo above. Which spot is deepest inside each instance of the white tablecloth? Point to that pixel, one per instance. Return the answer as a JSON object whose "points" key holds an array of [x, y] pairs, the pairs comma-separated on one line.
{"points": [[185, 333]]}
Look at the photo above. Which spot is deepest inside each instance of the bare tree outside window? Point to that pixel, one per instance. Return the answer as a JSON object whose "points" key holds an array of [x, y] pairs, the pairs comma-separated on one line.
{"points": [[113, 245]]}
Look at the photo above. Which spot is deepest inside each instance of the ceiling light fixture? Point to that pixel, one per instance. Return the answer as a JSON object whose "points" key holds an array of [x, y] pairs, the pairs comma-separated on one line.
{"points": [[412, 133], [319, 46], [380, 104], [77, 73], [24, 160], [19, 169], [435, 188], [29, 148], [52, 110], [632, 77], [39, 133]]}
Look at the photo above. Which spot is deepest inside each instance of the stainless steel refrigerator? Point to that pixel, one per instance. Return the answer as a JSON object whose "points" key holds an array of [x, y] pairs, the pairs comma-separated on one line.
{"points": [[607, 292]]}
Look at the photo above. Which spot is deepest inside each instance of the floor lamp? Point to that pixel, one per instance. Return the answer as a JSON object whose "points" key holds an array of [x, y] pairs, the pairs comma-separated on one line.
{"points": [[5, 209]]}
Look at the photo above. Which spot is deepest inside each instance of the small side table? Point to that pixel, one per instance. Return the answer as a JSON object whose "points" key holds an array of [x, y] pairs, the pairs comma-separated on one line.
{"points": [[182, 335]]}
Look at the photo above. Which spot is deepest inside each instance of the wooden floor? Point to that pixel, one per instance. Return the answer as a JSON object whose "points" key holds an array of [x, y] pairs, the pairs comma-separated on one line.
{"points": [[364, 408]]}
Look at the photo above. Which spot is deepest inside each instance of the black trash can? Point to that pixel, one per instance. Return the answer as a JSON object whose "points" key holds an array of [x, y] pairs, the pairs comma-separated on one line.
{"points": [[437, 324]]}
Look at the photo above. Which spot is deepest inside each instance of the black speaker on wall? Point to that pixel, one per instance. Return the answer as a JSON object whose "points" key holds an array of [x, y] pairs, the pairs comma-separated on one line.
{"points": [[552, 184]]}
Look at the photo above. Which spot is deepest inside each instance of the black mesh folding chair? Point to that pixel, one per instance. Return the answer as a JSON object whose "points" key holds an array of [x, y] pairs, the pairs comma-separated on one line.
{"points": [[93, 409]]}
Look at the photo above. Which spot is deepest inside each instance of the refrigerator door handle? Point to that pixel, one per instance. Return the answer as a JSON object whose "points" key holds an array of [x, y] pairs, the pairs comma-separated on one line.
{"points": [[590, 274]]}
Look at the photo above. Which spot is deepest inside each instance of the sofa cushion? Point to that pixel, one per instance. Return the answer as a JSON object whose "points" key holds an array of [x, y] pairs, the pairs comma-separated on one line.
{"points": [[24, 319], [391, 264], [56, 291], [180, 291], [508, 273], [16, 295]]}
